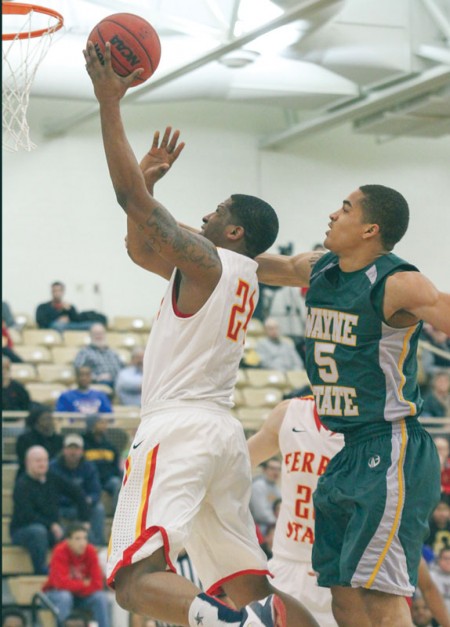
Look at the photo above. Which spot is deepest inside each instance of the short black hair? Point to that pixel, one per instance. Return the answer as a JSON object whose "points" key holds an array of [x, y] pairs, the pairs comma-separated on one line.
{"points": [[36, 413], [73, 528], [17, 613], [387, 208], [58, 283], [259, 220]]}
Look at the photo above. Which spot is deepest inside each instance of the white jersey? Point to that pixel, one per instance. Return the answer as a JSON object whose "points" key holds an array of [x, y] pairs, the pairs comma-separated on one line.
{"points": [[197, 357], [307, 447]]}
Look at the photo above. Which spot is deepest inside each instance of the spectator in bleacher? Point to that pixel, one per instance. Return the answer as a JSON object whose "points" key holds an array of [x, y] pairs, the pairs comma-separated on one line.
{"points": [[8, 345], [14, 395], [75, 577], [100, 450], [84, 399], [14, 617], [104, 362], [57, 314], [276, 352], [288, 308], [433, 361], [265, 491], [443, 448], [439, 535], [440, 573], [35, 523], [7, 315], [40, 432], [420, 613], [72, 466], [436, 403], [129, 380]]}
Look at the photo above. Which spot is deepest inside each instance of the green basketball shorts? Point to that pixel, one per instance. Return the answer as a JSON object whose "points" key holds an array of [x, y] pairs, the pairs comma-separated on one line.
{"points": [[372, 508]]}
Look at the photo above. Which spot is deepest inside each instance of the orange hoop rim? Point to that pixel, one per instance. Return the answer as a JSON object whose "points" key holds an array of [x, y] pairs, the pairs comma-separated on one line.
{"points": [[18, 8]]}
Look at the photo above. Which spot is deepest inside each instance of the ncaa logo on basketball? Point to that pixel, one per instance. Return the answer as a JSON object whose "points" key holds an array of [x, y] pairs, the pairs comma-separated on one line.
{"points": [[374, 461]]}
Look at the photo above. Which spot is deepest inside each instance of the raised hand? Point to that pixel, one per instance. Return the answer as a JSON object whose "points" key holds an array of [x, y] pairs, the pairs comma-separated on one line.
{"points": [[107, 84], [161, 156]]}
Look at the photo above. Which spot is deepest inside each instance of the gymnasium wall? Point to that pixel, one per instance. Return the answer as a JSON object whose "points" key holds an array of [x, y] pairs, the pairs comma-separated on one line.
{"points": [[61, 220]]}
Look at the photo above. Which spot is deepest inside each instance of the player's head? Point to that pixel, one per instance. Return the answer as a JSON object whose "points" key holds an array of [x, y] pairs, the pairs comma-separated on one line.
{"points": [[388, 209], [372, 215], [242, 223]]}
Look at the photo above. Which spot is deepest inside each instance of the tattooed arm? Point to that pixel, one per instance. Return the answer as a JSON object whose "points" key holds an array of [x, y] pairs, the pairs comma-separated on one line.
{"points": [[154, 165], [282, 270], [192, 254]]}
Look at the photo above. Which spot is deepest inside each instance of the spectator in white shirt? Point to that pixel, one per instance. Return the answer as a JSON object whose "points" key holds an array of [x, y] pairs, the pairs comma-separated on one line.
{"points": [[129, 381]]}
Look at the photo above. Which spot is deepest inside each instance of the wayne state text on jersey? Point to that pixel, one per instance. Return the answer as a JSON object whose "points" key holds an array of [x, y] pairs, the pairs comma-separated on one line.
{"points": [[333, 327]]}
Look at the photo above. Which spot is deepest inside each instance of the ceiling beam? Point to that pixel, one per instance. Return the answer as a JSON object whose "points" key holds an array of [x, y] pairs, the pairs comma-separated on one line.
{"points": [[299, 11], [369, 104]]}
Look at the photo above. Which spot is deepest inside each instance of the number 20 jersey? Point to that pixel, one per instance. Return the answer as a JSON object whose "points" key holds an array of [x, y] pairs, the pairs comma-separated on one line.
{"points": [[307, 447], [196, 357]]}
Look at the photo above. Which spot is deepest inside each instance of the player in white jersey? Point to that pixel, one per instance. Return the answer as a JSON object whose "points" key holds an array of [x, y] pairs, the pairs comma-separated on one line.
{"points": [[188, 479], [294, 429]]}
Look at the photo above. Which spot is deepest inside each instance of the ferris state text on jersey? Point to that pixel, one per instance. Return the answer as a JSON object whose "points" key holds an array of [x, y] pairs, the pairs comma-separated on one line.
{"points": [[361, 369], [300, 528]]}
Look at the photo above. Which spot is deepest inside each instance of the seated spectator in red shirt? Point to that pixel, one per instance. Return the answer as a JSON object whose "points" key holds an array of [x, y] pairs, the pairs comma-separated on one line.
{"points": [[14, 395], [40, 432], [84, 399], [57, 314], [75, 577]]}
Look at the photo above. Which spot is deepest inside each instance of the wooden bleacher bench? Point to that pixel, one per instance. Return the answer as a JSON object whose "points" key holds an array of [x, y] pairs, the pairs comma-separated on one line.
{"points": [[16, 561]]}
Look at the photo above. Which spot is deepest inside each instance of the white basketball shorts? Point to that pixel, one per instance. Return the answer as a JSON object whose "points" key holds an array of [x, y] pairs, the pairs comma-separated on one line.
{"points": [[187, 484], [299, 580]]}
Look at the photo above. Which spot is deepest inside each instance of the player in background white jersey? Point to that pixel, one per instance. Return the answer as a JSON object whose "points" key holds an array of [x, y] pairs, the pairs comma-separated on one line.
{"points": [[187, 480], [294, 429]]}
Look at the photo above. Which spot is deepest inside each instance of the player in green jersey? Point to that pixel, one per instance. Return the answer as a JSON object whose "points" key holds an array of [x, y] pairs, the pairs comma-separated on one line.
{"points": [[365, 311]]}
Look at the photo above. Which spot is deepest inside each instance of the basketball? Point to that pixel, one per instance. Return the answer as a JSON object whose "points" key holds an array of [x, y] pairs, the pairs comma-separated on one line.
{"points": [[134, 44]]}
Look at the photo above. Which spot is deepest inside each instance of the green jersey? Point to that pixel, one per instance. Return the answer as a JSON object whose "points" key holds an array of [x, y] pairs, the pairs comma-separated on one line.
{"points": [[361, 370]]}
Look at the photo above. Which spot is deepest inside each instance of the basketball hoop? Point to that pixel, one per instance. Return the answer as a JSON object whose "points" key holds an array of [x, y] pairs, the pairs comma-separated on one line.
{"points": [[28, 30]]}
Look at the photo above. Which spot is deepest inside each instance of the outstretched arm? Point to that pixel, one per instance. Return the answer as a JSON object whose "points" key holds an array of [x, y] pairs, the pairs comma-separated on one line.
{"points": [[194, 255], [410, 296], [264, 444], [282, 270]]}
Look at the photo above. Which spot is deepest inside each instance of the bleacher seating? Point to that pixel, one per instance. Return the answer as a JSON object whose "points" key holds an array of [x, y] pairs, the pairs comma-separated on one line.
{"points": [[41, 337]]}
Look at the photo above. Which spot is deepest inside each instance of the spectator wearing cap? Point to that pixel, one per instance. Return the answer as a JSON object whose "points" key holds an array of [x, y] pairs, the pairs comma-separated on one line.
{"points": [[100, 450], [40, 432], [35, 523], [72, 466], [84, 399], [129, 380]]}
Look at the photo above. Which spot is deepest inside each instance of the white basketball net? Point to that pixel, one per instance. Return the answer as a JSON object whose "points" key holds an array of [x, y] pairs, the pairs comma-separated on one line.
{"points": [[21, 58]]}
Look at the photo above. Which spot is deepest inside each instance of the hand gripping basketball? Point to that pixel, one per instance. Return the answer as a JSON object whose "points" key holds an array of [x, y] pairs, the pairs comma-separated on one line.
{"points": [[134, 44], [107, 83]]}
